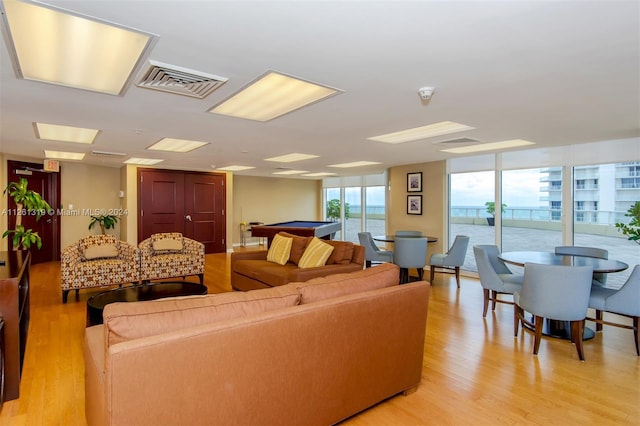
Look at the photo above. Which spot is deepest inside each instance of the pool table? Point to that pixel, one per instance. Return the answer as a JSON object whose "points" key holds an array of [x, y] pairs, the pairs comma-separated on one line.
{"points": [[304, 228]]}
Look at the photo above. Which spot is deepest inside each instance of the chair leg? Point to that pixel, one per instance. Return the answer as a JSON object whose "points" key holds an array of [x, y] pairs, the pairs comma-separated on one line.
{"points": [[494, 299], [516, 319], [458, 276], [485, 302], [367, 264], [636, 335], [537, 334], [432, 272], [65, 295], [577, 330], [420, 273], [599, 318], [201, 277]]}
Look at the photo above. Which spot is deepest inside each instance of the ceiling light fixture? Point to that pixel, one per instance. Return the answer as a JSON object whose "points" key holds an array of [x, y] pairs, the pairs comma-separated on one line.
{"points": [[355, 164], [176, 145], [143, 161], [291, 172], [491, 146], [272, 95], [235, 168], [61, 155], [423, 132], [291, 157], [60, 47], [55, 132], [319, 174]]}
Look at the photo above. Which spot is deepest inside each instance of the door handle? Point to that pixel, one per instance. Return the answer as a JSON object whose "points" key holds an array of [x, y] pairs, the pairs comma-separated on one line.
{"points": [[188, 217]]}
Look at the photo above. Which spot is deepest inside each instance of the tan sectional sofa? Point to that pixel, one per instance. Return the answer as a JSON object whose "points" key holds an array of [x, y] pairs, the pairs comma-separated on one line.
{"points": [[251, 271], [303, 353]]}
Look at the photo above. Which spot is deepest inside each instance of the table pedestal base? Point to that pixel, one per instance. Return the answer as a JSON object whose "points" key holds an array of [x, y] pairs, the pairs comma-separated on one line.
{"points": [[560, 329]]}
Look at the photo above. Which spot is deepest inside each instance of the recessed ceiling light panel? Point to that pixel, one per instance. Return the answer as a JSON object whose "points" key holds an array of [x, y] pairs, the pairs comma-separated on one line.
{"points": [[56, 46], [272, 95], [61, 155], [55, 132], [176, 145], [423, 132], [291, 157], [291, 172], [355, 164], [235, 168], [143, 161], [491, 146]]}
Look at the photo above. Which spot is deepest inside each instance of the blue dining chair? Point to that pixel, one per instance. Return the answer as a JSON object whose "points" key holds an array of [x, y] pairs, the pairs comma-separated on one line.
{"points": [[553, 292], [599, 279], [495, 277], [410, 253], [453, 259], [372, 252], [623, 301]]}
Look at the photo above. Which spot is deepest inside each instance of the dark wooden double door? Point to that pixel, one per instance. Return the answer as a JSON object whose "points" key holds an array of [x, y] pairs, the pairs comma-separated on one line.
{"points": [[191, 203]]}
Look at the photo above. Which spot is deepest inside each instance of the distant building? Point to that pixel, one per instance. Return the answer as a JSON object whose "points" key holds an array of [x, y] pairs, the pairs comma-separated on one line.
{"points": [[593, 197]]}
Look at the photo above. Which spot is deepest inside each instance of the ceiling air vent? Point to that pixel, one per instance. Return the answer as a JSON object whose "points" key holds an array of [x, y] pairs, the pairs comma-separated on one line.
{"points": [[181, 81]]}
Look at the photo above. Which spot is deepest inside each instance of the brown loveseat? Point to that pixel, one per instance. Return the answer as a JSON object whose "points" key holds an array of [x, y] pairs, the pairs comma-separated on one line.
{"points": [[251, 271], [303, 353]]}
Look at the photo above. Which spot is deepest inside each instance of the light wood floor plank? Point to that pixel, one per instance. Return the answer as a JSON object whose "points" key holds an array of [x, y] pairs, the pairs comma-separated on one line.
{"points": [[475, 371]]}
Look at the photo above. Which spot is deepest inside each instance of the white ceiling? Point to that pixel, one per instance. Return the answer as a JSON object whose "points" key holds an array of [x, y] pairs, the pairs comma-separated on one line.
{"points": [[555, 73]]}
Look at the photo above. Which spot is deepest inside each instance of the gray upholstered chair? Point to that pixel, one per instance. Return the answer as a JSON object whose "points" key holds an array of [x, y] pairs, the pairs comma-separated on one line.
{"points": [[372, 252], [599, 279], [453, 259], [495, 277], [557, 293], [624, 301], [410, 253], [408, 233]]}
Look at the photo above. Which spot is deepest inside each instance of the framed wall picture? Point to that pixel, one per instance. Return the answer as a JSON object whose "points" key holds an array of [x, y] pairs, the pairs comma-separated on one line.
{"points": [[414, 182], [414, 204]]}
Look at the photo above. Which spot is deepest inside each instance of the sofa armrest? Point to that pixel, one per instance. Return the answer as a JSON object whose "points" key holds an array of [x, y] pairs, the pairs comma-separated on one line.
{"points": [[192, 247], [128, 252], [246, 255], [299, 275]]}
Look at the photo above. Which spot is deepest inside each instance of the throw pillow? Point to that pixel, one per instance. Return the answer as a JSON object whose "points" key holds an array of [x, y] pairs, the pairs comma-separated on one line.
{"points": [[316, 254], [104, 251], [298, 246], [279, 250], [167, 242], [342, 252]]}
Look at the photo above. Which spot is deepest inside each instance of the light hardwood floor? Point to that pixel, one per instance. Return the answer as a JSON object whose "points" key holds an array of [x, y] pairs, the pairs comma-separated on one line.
{"points": [[474, 371]]}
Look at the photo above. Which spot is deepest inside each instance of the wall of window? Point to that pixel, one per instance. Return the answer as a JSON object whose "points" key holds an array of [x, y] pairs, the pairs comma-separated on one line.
{"points": [[361, 202], [551, 197]]}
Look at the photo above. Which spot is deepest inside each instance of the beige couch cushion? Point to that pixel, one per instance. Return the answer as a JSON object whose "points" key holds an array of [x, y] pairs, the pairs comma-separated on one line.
{"points": [[127, 321], [317, 289]]}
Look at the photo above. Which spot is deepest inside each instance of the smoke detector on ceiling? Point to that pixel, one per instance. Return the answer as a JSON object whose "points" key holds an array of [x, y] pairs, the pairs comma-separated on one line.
{"points": [[425, 93], [181, 81]]}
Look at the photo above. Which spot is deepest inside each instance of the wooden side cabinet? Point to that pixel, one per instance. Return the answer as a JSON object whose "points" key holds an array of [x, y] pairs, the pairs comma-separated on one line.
{"points": [[14, 310]]}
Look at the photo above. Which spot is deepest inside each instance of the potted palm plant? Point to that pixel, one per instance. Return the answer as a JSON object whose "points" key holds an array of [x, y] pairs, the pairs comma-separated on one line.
{"points": [[632, 229], [105, 221], [29, 202], [491, 209]]}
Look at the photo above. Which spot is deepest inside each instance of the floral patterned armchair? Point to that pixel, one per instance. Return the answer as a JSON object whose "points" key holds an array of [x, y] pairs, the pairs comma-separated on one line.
{"points": [[169, 255], [97, 261]]}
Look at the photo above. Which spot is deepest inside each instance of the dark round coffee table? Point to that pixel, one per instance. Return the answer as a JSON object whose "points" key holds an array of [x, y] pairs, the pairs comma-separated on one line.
{"points": [[138, 293]]}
